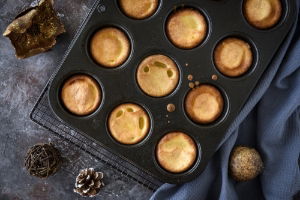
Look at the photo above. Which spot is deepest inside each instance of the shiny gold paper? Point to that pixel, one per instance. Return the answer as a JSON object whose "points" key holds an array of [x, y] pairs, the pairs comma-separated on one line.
{"points": [[35, 30]]}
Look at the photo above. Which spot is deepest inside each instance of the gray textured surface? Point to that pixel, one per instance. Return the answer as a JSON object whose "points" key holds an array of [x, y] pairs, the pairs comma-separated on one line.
{"points": [[21, 81]]}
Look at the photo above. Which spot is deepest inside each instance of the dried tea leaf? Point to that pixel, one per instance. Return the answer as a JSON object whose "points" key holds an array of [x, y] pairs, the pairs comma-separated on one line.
{"points": [[35, 30]]}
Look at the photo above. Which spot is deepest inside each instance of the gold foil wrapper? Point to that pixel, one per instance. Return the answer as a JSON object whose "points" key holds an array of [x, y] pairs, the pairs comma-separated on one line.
{"points": [[35, 30]]}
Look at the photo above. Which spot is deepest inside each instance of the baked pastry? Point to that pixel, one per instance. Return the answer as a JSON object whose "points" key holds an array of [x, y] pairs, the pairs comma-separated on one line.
{"points": [[233, 57], [186, 28], [176, 152], [139, 9], [204, 104], [110, 47], [262, 14], [157, 75], [129, 123], [81, 95]]}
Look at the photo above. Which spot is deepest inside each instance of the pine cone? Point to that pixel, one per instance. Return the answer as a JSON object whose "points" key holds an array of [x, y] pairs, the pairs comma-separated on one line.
{"points": [[88, 182]]}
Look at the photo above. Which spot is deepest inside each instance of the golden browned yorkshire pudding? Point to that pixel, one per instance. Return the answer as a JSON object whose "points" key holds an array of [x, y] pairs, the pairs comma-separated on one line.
{"points": [[138, 9], [233, 57], [81, 95], [204, 104], [186, 28], [157, 75], [176, 152], [110, 47], [129, 123], [262, 14]]}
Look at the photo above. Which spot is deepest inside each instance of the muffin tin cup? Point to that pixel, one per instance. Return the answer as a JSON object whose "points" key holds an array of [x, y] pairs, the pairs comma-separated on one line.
{"points": [[148, 37]]}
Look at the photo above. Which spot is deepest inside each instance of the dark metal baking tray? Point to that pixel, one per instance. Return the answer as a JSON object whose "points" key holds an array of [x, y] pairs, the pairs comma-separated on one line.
{"points": [[225, 18]]}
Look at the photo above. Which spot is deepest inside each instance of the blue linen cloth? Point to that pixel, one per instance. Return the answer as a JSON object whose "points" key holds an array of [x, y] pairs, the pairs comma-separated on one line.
{"points": [[270, 122]]}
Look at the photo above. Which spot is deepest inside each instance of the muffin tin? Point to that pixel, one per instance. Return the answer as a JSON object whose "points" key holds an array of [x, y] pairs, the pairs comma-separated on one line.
{"points": [[148, 37]]}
